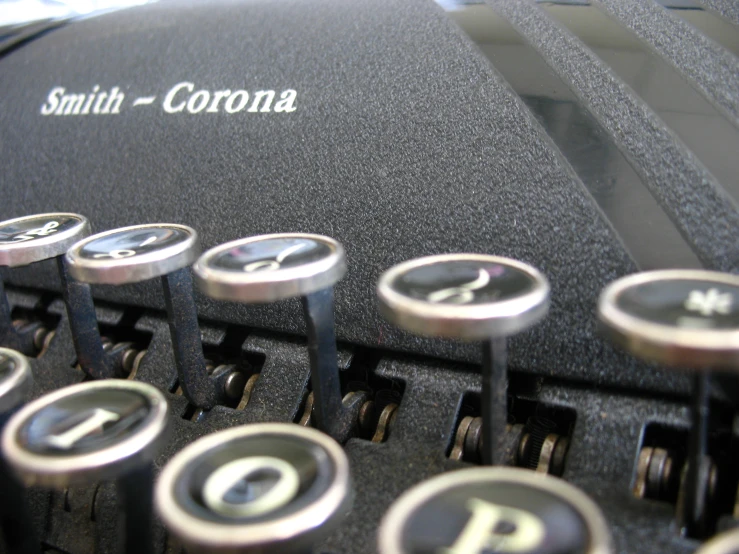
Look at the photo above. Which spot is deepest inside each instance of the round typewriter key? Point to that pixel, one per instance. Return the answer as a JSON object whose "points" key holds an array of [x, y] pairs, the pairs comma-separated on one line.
{"points": [[133, 254], [267, 487], [681, 318], [469, 297], [15, 379], [141, 252], [685, 319], [87, 432], [30, 239], [480, 510], [99, 430], [268, 268], [34, 238], [15, 520], [725, 543]]}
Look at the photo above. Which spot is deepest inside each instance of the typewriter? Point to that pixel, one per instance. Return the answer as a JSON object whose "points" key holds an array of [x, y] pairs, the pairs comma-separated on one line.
{"points": [[357, 277]]}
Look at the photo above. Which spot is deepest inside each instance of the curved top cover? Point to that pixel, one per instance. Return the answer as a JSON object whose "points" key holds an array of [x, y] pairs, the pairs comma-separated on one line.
{"points": [[388, 126]]}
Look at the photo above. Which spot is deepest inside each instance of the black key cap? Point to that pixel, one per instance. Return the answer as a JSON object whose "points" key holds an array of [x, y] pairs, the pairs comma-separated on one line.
{"points": [[269, 268], [99, 430], [469, 297], [260, 488], [494, 509], [686, 319], [141, 252], [34, 238]]}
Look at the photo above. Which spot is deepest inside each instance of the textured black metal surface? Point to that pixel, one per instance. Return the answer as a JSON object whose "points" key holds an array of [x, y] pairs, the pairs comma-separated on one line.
{"points": [[406, 141], [186, 339], [601, 458], [588, 147]]}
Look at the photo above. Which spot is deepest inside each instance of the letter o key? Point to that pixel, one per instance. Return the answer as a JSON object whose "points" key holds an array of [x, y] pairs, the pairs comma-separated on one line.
{"points": [[259, 488], [228, 476]]}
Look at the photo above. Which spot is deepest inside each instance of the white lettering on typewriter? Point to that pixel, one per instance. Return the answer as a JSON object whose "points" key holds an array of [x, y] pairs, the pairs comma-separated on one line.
{"points": [[498, 529], [69, 438], [462, 294], [708, 302], [272, 265], [183, 97], [59, 102], [116, 254], [46, 230], [125, 252], [261, 485]]}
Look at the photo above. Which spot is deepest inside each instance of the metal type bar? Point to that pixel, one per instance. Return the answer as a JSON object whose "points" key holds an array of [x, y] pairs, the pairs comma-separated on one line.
{"points": [[694, 505], [9, 335], [494, 400], [328, 410], [135, 499], [16, 524], [85, 332], [187, 343]]}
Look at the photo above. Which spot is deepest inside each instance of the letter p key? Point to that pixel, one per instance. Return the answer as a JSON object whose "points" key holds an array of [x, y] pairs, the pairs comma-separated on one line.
{"points": [[486, 530], [499, 510]]}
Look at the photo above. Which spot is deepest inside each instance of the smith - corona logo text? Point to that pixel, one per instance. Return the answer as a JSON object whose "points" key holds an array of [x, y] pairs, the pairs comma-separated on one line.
{"points": [[183, 98]]}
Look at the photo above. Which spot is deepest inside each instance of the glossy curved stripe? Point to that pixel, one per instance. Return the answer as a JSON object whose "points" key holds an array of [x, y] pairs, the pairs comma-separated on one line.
{"points": [[713, 26], [704, 130], [13, 37], [645, 229]]}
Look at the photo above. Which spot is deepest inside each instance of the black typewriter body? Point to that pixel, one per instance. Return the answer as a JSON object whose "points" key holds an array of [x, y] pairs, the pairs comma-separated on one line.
{"points": [[536, 131]]}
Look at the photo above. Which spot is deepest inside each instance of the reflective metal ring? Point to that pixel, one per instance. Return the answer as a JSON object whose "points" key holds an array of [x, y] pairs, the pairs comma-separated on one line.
{"points": [[32, 455], [394, 524], [294, 526], [15, 379], [467, 321], [669, 344], [237, 271], [122, 256], [33, 238]]}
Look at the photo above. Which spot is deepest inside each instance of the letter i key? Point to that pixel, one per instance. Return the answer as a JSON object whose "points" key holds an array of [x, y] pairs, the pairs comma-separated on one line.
{"points": [[268, 268], [469, 297], [89, 432], [140, 252]]}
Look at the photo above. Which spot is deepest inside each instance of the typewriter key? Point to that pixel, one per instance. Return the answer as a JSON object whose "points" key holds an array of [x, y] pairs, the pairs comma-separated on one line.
{"points": [[266, 487], [275, 267], [99, 430], [141, 252], [35, 238], [684, 319], [494, 509], [469, 297], [15, 380], [725, 543], [15, 520]]}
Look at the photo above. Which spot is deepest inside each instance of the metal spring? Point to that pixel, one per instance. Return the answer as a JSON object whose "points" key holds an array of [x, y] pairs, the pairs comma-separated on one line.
{"points": [[538, 428]]}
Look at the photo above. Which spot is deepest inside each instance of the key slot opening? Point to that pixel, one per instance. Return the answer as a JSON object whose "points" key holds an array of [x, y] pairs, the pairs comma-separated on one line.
{"points": [[662, 456], [538, 434]]}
